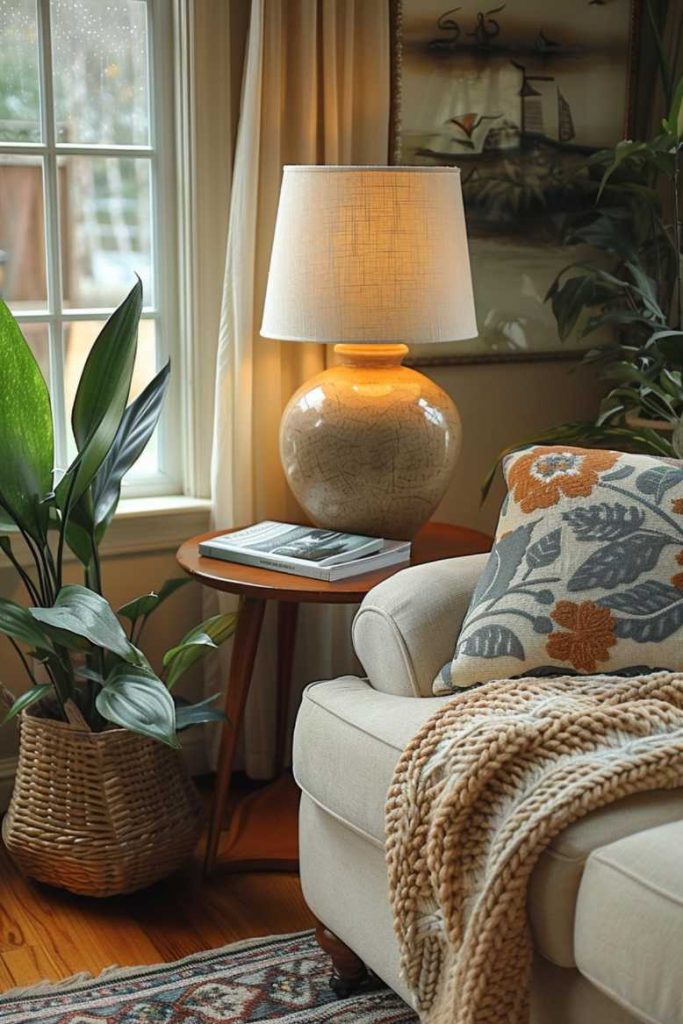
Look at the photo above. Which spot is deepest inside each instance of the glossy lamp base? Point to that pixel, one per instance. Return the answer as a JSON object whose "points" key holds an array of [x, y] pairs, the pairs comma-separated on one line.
{"points": [[369, 446]]}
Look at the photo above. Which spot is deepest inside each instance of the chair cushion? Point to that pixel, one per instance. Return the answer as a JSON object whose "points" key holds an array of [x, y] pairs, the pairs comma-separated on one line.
{"points": [[586, 574], [629, 923], [347, 742]]}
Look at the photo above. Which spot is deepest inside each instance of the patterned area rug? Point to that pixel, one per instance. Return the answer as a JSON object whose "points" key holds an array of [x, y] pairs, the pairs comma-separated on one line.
{"points": [[282, 978]]}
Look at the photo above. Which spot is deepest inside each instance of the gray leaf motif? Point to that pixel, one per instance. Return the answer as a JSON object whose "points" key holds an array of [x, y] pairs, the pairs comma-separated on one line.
{"points": [[655, 610], [504, 561], [604, 521], [658, 480], [620, 561], [492, 641], [617, 474], [545, 551]]}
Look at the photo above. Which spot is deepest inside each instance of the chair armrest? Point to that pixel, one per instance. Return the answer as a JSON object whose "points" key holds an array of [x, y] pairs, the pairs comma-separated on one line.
{"points": [[406, 627]]}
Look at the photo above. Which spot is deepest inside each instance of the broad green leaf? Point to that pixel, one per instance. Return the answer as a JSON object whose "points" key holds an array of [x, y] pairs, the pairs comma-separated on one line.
{"points": [[102, 396], [137, 426], [137, 700], [18, 622], [187, 714], [85, 614], [218, 628], [148, 603], [26, 699], [675, 117], [200, 640], [26, 439]]}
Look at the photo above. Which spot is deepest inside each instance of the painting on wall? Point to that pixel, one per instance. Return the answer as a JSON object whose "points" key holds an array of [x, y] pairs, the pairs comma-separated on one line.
{"points": [[518, 95]]}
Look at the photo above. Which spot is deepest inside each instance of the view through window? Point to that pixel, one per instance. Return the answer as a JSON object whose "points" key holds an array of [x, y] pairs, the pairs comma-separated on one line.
{"points": [[84, 183]]}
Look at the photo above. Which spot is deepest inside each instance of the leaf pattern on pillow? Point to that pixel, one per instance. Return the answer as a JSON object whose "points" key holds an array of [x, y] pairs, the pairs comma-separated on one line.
{"points": [[594, 576], [604, 521], [619, 561], [658, 480]]}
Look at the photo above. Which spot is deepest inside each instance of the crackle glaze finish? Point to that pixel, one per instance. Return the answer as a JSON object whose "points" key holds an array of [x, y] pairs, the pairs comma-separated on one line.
{"points": [[369, 446]]}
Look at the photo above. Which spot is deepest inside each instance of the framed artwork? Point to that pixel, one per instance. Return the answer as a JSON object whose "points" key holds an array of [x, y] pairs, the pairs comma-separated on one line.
{"points": [[517, 95]]}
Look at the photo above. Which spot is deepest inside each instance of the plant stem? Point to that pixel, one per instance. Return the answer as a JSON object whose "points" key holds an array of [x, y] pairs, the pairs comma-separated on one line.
{"points": [[24, 661], [25, 578]]}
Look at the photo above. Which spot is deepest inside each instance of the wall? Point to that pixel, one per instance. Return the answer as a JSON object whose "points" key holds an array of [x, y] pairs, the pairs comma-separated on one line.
{"points": [[502, 404]]}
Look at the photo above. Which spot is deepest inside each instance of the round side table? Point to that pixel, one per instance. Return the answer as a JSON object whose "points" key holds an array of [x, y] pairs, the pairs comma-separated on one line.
{"points": [[257, 586]]}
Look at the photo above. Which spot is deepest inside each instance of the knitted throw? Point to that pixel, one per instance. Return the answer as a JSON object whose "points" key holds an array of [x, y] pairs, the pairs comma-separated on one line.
{"points": [[480, 792]]}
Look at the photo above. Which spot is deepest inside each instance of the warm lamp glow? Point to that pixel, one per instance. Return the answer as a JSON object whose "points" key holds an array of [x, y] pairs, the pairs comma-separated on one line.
{"points": [[370, 259], [370, 254]]}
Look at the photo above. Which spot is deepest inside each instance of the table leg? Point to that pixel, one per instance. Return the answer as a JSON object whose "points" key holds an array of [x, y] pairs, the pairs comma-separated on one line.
{"points": [[245, 644], [287, 614]]}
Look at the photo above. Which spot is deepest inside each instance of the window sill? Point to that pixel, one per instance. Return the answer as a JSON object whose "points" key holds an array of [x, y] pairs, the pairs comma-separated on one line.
{"points": [[155, 524]]}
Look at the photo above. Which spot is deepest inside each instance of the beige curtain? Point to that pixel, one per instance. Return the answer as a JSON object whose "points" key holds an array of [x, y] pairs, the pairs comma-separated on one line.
{"points": [[315, 90]]}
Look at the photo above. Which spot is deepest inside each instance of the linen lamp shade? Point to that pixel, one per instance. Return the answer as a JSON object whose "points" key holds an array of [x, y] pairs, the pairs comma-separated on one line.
{"points": [[370, 258], [370, 254]]}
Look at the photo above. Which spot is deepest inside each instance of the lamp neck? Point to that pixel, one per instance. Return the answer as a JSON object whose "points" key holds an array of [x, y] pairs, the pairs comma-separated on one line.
{"points": [[371, 355]]}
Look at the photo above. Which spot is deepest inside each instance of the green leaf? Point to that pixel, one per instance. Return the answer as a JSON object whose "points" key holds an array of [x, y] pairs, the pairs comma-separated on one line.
{"points": [[623, 150], [200, 640], [187, 714], [85, 614], [18, 622], [26, 438], [28, 698], [137, 426], [148, 603], [138, 700], [102, 395], [675, 116], [218, 628]]}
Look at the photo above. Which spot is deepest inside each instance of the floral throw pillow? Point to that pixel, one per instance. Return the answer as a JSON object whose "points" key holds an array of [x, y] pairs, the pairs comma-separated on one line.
{"points": [[586, 574]]}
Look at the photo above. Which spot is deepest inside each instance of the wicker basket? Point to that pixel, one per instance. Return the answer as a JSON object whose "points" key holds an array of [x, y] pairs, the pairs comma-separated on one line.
{"points": [[98, 813]]}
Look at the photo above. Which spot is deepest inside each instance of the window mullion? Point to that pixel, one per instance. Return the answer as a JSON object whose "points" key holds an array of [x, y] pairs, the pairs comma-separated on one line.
{"points": [[53, 255]]}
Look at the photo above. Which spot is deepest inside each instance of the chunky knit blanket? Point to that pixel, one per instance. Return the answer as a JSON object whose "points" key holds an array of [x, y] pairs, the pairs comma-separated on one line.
{"points": [[480, 792]]}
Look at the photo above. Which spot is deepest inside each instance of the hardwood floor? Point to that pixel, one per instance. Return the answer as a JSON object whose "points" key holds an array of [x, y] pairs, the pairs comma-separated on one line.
{"points": [[49, 934]]}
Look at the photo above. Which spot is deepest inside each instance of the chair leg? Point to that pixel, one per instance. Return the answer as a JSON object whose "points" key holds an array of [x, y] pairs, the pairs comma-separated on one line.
{"points": [[349, 975]]}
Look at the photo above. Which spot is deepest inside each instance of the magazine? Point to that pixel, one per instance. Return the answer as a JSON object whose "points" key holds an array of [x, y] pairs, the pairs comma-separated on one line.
{"points": [[305, 550]]}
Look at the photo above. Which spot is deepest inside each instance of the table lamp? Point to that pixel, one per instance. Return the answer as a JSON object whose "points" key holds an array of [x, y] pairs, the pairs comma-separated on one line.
{"points": [[370, 259]]}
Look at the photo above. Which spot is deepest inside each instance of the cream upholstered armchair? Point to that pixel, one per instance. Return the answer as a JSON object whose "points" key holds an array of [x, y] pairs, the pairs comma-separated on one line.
{"points": [[606, 898]]}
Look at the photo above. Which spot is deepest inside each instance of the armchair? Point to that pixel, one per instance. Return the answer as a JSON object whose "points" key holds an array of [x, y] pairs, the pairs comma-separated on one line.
{"points": [[605, 899]]}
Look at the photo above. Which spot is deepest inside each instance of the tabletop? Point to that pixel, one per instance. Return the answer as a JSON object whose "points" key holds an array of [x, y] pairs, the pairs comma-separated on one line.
{"points": [[434, 542]]}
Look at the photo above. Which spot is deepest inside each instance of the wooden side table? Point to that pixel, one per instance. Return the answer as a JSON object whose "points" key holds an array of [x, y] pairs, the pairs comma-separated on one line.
{"points": [[257, 586]]}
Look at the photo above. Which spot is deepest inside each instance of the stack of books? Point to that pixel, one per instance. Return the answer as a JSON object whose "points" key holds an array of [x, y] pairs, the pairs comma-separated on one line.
{"points": [[306, 550]]}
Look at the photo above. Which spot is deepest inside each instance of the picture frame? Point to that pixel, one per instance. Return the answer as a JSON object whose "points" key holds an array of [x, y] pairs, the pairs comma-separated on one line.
{"points": [[508, 91]]}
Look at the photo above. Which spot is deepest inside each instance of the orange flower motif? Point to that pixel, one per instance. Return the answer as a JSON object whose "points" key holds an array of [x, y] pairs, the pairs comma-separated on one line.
{"points": [[677, 506], [677, 580], [589, 638], [539, 478]]}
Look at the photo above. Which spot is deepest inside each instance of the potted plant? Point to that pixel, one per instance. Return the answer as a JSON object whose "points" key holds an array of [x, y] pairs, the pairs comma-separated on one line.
{"points": [[633, 284], [102, 802]]}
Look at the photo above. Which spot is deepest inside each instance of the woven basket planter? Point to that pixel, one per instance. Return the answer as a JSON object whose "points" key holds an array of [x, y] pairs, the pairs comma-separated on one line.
{"points": [[98, 813]]}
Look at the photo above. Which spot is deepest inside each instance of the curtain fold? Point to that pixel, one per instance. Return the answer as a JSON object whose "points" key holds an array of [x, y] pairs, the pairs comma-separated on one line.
{"points": [[315, 90]]}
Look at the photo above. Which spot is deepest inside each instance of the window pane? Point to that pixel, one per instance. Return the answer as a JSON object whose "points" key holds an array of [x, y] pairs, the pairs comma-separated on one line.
{"points": [[106, 229], [99, 52], [19, 76], [22, 233], [37, 337], [78, 340]]}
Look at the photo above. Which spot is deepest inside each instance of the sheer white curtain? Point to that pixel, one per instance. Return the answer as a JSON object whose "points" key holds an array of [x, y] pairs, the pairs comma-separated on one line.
{"points": [[315, 90]]}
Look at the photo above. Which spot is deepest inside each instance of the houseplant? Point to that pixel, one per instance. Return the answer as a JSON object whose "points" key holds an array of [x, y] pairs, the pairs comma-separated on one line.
{"points": [[632, 284], [102, 802]]}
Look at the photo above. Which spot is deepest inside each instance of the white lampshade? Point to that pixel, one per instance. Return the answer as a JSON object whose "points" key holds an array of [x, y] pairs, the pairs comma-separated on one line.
{"points": [[370, 254]]}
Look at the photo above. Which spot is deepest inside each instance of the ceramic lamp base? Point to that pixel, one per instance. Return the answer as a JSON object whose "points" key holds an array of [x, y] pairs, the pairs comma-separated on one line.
{"points": [[369, 446]]}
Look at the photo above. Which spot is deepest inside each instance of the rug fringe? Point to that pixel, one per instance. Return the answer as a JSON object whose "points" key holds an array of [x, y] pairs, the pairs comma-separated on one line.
{"points": [[116, 973]]}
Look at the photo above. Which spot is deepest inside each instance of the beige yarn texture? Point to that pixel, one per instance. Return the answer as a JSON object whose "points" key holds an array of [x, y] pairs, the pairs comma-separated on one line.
{"points": [[480, 792]]}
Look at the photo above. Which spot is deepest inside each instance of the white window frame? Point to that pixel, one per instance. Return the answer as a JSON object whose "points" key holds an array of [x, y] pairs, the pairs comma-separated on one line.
{"points": [[164, 241]]}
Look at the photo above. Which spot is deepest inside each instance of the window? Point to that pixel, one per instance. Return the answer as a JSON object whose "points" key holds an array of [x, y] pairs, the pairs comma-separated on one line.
{"points": [[87, 193]]}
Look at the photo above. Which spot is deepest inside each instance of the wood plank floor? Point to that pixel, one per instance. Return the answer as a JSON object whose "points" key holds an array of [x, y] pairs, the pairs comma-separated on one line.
{"points": [[49, 934]]}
